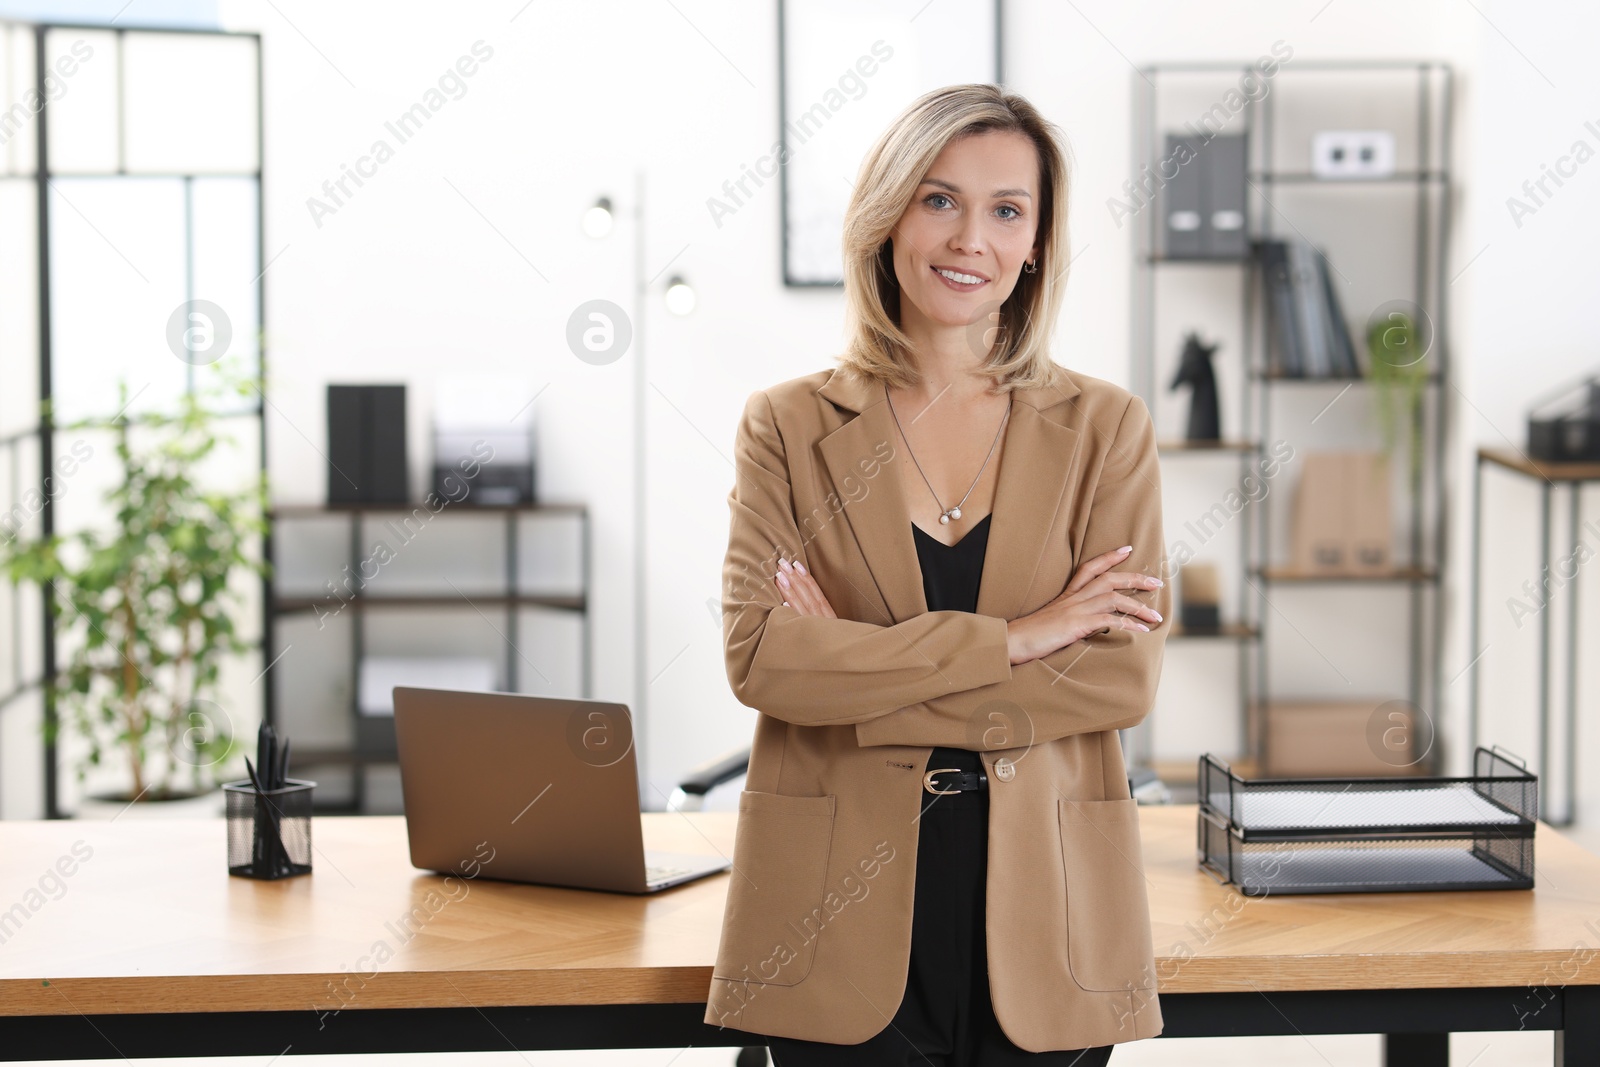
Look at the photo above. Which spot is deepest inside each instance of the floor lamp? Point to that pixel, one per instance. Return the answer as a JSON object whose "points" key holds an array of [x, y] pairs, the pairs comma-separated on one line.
{"points": [[680, 300]]}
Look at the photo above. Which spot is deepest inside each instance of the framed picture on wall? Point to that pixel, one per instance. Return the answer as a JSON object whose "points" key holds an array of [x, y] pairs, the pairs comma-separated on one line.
{"points": [[846, 69]]}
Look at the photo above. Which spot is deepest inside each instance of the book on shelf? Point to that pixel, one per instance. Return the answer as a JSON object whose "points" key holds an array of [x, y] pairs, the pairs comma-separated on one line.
{"points": [[1311, 315], [1307, 333], [1340, 344], [1283, 348]]}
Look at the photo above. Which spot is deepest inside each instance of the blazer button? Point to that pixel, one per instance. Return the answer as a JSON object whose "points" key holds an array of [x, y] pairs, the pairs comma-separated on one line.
{"points": [[1004, 769]]}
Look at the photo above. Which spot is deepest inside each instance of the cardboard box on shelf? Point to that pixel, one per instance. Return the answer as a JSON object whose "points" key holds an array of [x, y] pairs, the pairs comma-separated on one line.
{"points": [[1314, 738], [1340, 522]]}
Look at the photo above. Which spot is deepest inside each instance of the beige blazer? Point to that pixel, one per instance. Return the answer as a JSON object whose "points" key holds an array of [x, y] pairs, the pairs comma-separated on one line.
{"points": [[817, 929]]}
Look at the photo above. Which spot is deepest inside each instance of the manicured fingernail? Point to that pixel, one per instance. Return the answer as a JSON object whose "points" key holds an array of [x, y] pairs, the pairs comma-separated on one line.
{"points": [[1125, 548], [783, 563], [1143, 627], [785, 603], [801, 567], [1157, 614], [783, 580], [1155, 582]]}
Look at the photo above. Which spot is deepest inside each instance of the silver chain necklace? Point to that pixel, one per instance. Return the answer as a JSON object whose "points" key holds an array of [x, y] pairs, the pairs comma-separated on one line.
{"points": [[952, 513]]}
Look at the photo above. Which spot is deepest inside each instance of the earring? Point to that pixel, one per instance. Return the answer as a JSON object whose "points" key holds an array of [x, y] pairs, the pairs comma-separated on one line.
{"points": [[1031, 267]]}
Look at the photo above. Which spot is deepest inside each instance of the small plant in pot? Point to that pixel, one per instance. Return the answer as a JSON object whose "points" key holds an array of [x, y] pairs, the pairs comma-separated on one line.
{"points": [[1399, 338], [147, 607]]}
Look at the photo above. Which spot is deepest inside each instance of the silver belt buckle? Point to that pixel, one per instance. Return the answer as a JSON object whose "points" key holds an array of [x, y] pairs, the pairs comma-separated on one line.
{"points": [[927, 780]]}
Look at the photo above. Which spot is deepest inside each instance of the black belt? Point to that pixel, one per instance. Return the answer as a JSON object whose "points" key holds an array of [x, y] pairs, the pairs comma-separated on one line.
{"points": [[954, 780]]}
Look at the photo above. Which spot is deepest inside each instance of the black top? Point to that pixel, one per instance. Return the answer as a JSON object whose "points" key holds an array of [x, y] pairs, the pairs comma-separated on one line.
{"points": [[950, 577]]}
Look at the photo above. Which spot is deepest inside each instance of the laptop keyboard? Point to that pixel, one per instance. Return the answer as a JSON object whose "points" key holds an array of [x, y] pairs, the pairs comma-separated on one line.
{"points": [[657, 872]]}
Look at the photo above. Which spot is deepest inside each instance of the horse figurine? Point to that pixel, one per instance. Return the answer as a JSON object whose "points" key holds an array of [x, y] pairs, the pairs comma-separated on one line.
{"points": [[1195, 371]]}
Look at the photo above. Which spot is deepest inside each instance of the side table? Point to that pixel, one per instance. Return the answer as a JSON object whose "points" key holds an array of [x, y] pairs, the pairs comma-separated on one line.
{"points": [[1573, 476]]}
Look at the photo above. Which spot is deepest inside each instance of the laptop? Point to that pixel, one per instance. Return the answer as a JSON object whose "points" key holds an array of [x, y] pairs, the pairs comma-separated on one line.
{"points": [[529, 789]]}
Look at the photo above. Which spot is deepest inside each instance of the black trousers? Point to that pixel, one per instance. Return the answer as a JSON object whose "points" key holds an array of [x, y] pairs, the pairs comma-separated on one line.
{"points": [[945, 1018]]}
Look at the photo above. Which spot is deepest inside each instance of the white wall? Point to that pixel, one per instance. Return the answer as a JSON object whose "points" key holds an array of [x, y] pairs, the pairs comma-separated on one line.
{"points": [[463, 252], [1524, 307], [408, 279]]}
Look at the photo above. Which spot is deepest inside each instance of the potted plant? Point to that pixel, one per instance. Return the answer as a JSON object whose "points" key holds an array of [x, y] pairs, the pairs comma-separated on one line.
{"points": [[147, 607], [1399, 371]]}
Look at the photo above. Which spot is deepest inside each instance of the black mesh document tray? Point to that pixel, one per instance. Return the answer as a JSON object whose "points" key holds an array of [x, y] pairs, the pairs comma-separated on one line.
{"points": [[1377, 834]]}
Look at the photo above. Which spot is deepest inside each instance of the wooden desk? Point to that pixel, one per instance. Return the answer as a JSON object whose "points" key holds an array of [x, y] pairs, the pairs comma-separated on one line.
{"points": [[149, 948]]}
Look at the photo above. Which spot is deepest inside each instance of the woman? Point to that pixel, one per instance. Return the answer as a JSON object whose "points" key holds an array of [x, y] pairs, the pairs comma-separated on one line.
{"points": [[941, 595]]}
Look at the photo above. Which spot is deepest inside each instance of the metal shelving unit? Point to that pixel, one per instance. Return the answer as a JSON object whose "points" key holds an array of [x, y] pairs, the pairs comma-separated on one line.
{"points": [[1250, 634], [374, 740]]}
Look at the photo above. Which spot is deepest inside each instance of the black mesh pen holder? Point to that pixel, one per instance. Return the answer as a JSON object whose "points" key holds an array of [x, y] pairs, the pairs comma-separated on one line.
{"points": [[269, 833]]}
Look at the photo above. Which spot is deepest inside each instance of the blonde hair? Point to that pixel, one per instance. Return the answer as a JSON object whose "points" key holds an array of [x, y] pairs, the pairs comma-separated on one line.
{"points": [[875, 347]]}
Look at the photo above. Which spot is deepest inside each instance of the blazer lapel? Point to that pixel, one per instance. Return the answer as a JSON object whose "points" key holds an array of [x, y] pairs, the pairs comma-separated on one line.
{"points": [[1037, 459]]}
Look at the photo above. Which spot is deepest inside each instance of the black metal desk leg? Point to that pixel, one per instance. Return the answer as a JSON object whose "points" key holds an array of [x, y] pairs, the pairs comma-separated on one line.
{"points": [[1416, 1050], [1579, 1041], [1576, 509], [1472, 603], [1543, 582]]}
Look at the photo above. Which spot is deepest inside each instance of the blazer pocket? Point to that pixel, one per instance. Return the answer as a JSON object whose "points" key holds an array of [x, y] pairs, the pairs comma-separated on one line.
{"points": [[1108, 911], [774, 912]]}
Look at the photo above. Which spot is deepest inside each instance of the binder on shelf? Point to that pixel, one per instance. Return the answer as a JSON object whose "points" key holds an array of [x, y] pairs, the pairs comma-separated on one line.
{"points": [[1222, 183], [1203, 204], [1180, 211], [367, 444]]}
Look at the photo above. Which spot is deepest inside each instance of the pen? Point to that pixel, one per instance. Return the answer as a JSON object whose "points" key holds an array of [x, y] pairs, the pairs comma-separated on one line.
{"points": [[264, 853]]}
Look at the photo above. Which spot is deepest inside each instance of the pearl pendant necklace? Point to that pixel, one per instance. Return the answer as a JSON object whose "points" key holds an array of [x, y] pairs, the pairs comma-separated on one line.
{"points": [[946, 514]]}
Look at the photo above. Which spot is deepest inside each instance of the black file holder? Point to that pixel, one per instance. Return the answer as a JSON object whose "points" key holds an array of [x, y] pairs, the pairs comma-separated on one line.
{"points": [[1369, 834], [269, 833]]}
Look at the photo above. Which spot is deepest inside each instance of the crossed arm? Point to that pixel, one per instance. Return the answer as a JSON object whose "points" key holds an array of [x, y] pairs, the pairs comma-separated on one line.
{"points": [[943, 677]]}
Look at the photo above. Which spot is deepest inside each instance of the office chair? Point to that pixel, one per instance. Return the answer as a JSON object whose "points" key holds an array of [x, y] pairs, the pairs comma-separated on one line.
{"points": [[690, 795]]}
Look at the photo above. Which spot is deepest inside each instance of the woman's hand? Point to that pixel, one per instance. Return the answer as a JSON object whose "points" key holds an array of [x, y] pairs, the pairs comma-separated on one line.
{"points": [[1089, 604], [800, 591]]}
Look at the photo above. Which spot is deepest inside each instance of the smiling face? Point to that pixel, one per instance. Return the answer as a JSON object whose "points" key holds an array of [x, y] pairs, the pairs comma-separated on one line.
{"points": [[968, 230]]}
